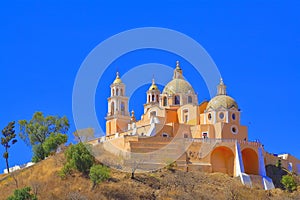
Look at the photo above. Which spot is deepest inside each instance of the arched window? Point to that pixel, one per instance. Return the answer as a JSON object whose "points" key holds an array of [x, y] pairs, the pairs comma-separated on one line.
{"points": [[153, 98], [112, 108], [157, 99], [113, 92], [185, 116], [148, 98], [177, 100], [233, 116], [153, 114], [121, 92], [123, 108], [209, 116], [190, 100], [117, 92], [165, 101]]}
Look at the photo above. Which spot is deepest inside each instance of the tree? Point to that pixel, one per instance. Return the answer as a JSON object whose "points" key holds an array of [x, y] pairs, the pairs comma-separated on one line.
{"points": [[22, 194], [36, 132], [99, 173], [53, 141], [78, 157], [9, 134], [84, 135], [289, 183]]}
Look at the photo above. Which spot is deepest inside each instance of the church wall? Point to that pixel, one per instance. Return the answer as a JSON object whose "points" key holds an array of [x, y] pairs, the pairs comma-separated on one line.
{"points": [[198, 130], [270, 159], [295, 163], [202, 120], [200, 157], [163, 129], [191, 113], [171, 116], [228, 133]]}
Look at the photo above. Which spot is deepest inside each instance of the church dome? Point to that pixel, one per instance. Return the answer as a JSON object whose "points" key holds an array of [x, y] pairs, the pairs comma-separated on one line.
{"points": [[178, 86], [222, 101]]}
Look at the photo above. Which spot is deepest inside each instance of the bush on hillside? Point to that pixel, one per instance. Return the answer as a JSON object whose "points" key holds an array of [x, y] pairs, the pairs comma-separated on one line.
{"points": [[78, 158], [99, 173], [22, 194], [289, 183]]}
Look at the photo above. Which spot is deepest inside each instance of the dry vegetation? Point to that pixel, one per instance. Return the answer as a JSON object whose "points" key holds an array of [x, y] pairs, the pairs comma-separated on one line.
{"points": [[44, 180]]}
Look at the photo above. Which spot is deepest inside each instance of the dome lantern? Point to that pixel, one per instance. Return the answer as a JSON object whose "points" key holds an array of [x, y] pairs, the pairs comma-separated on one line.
{"points": [[221, 88], [222, 99], [118, 79]]}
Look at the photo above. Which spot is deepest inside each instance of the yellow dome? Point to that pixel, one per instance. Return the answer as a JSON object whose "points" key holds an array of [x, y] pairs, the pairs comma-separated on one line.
{"points": [[153, 86], [222, 101], [118, 79], [178, 86]]}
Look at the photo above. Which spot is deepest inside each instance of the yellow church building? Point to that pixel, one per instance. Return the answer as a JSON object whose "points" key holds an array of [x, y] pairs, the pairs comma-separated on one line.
{"points": [[206, 137]]}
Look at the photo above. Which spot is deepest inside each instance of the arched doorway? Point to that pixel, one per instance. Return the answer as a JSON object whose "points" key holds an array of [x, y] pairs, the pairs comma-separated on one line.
{"points": [[222, 160], [250, 161]]}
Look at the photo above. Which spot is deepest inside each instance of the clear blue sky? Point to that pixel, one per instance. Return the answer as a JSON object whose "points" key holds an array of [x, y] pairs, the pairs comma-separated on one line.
{"points": [[255, 45]]}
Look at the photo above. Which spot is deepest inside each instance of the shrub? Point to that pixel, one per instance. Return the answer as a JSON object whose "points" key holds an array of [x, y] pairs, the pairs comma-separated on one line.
{"points": [[22, 194], [99, 173], [79, 158], [170, 165], [289, 183]]}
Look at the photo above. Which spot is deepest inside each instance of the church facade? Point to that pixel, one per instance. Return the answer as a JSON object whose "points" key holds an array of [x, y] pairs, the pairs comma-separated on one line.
{"points": [[206, 137]]}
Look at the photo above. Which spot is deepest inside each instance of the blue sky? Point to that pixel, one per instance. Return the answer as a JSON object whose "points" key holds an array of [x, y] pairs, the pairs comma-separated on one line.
{"points": [[255, 45]]}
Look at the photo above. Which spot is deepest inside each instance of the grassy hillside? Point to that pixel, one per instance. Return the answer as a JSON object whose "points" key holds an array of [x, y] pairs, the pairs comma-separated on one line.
{"points": [[44, 180]]}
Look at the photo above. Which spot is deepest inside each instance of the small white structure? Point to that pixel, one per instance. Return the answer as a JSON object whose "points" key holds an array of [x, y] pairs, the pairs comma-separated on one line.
{"points": [[17, 167], [11, 169]]}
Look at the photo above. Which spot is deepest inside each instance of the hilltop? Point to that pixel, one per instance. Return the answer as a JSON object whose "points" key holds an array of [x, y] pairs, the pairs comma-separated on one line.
{"points": [[44, 180]]}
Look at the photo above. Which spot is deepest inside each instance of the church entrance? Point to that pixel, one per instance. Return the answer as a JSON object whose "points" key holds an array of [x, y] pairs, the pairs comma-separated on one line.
{"points": [[250, 161], [222, 160]]}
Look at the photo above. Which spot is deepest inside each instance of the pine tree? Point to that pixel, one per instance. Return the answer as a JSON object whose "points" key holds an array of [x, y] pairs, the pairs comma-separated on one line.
{"points": [[9, 134]]}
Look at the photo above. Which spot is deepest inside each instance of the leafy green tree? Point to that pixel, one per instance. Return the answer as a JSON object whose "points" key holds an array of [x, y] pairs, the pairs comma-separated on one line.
{"points": [[289, 183], [8, 136], [78, 157], [53, 141], [36, 131], [99, 173], [23, 194]]}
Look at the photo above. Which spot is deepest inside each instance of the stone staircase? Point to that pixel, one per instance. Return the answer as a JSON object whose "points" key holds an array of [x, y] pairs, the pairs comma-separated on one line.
{"points": [[151, 155]]}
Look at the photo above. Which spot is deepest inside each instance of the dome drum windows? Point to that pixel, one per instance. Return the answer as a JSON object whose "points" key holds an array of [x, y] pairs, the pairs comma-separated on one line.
{"points": [[233, 116], [177, 100], [165, 101], [209, 116], [189, 99], [221, 115]]}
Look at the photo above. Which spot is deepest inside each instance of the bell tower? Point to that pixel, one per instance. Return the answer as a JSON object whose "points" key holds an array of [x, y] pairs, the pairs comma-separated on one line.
{"points": [[153, 94], [118, 117]]}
